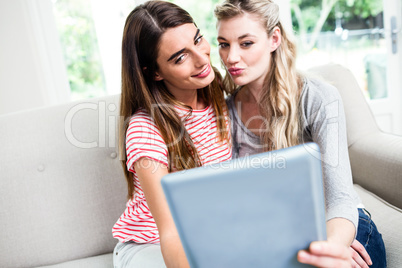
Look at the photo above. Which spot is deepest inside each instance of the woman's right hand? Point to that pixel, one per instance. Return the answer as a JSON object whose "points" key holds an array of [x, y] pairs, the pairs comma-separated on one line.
{"points": [[329, 254], [326, 254]]}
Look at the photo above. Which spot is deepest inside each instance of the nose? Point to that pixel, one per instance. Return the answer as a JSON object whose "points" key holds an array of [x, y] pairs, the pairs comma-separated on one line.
{"points": [[201, 56], [233, 55]]}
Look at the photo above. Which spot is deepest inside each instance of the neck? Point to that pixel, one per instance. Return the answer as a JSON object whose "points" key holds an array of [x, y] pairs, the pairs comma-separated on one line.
{"points": [[190, 98], [253, 92]]}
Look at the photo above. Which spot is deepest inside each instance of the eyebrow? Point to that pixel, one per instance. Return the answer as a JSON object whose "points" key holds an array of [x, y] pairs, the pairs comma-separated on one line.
{"points": [[176, 54], [240, 37], [196, 34], [182, 50]]}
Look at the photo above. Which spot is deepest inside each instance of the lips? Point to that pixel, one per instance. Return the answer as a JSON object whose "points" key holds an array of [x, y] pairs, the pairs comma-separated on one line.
{"points": [[235, 71], [204, 73]]}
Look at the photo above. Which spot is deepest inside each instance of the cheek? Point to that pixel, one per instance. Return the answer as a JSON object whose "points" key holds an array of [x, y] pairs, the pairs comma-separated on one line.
{"points": [[181, 73], [222, 55], [260, 57], [175, 76], [207, 47]]}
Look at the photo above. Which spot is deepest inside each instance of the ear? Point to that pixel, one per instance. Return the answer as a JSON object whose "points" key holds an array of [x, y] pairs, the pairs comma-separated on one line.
{"points": [[158, 77], [276, 38]]}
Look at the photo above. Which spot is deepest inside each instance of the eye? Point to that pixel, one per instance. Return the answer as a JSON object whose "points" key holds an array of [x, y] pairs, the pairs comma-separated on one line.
{"points": [[223, 45], [180, 59], [198, 40], [247, 44]]}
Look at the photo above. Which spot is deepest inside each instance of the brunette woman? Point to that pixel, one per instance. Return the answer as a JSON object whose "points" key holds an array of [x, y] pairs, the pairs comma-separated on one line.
{"points": [[175, 118]]}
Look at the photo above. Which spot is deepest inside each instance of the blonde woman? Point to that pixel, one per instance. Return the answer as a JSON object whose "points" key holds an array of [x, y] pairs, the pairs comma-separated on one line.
{"points": [[175, 118], [272, 106]]}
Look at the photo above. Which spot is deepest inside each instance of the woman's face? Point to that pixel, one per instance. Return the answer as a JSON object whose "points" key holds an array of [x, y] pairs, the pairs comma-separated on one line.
{"points": [[245, 48], [183, 60]]}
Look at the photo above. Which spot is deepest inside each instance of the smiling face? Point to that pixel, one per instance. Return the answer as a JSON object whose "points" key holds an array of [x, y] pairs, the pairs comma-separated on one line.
{"points": [[183, 60], [245, 48]]}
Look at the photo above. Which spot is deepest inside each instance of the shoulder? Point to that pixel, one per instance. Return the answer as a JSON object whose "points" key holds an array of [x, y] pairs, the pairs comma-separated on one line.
{"points": [[318, 95], [141, 116], [319, 100], [316, 92], [142, 124]]}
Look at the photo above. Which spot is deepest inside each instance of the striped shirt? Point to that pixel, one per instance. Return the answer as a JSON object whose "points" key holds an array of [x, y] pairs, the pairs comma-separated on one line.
{"points": [[143, 139]]}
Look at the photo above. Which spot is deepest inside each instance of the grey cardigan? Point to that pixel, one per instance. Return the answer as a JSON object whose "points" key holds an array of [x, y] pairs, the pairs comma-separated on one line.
{"points": [[322, 122]]}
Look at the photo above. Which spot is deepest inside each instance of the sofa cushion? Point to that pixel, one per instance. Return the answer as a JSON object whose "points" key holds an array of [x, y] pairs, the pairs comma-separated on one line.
{"points": [[61, 183], [102, 261], [376, 162], [388, 219]]}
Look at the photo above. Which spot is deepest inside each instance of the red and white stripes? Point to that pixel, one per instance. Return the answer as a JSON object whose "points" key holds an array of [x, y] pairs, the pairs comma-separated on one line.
{"points": [[143, 139]]}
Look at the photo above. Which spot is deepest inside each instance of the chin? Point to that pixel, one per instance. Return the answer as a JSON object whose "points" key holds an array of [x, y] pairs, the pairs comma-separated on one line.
{"points": [[209, 78], [239, 82]]}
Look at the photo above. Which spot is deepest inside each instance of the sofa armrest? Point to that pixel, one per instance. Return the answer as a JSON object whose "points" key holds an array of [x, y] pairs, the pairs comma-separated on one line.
{"points": [[376, 161]]}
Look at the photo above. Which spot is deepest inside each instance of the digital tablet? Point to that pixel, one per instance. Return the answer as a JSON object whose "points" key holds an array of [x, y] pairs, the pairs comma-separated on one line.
{"points": [[256, 211]]}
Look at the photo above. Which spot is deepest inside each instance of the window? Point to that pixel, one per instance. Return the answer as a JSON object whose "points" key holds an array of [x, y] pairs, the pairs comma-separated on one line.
{"points": [[347, 32], [90, 33], [363, 35], [80, 48]]}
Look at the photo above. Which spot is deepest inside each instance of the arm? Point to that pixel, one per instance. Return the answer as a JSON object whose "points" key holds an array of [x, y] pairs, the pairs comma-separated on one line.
{"points": [[150, 177], [340, 231], [324, 123]]}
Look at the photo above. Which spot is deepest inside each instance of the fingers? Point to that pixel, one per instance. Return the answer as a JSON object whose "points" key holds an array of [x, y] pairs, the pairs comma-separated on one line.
{"points": [[325, 254], [354, 264], [329, 249], [357, 259], [322, 261], [359, 249]]}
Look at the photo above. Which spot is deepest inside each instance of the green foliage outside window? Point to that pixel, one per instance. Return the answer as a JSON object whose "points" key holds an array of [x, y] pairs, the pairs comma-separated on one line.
{"points": [[315, 16], [80, 48]]}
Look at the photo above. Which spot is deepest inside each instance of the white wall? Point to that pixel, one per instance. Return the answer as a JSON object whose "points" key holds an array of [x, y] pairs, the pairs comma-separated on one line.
{"points": [[110, 34], [285, 15], [32, 71]]}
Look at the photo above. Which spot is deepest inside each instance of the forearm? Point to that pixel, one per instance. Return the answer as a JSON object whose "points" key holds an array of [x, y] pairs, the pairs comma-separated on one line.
{"points": [[173, 252], [340, 231]]}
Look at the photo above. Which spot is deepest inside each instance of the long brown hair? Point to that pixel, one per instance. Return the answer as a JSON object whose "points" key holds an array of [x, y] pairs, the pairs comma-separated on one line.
{"points": [[279, 104], [141, 39]]}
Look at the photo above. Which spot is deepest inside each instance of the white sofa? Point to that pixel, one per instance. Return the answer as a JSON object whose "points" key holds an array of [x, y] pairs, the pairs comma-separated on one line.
{"points": [[62, 186], [376, 160]]}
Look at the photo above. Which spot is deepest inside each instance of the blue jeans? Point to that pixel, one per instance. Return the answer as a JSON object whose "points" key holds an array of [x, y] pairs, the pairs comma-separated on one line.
{"points": [[371, 239]]}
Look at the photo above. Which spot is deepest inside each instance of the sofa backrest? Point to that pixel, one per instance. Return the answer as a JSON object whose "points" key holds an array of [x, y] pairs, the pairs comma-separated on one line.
{"points": [[359, 118], [61, 183], [375, 156]]}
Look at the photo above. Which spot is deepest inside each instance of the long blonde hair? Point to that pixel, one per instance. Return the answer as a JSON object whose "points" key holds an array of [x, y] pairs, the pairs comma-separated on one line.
{"points": [[279, 104], [141, 39]]}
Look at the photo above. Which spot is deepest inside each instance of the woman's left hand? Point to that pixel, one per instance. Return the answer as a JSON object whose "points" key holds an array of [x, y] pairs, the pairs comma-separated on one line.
{"points": [[326, 254], [359, 255]]}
